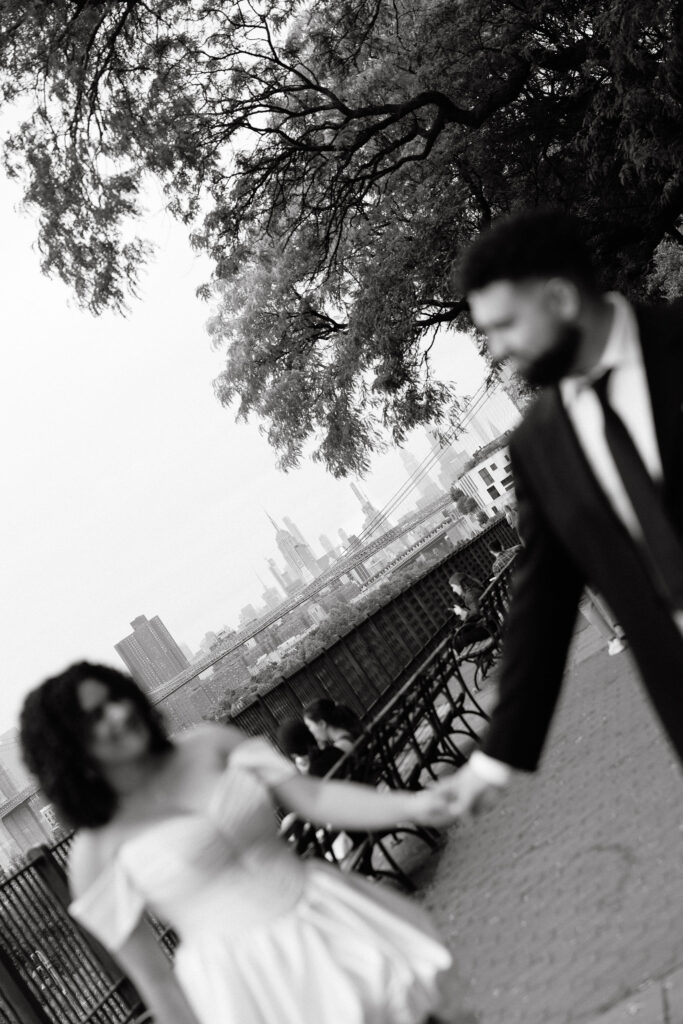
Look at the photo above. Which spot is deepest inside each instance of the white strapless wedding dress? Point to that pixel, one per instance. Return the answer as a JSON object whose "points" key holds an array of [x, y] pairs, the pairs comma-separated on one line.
{"points": [[266, 938]]}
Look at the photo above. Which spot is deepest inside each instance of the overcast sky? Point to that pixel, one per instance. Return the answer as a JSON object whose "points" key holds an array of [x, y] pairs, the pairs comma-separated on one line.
{"points": [[127, 489]]}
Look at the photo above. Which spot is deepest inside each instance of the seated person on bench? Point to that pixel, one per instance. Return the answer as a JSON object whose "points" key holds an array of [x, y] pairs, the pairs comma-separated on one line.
{"points": [[332, 724], [297, 741], [466, 592], [501, 556]]}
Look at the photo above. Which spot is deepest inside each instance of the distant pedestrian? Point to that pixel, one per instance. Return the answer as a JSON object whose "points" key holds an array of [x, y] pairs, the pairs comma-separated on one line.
{"points": [[595, 611]]}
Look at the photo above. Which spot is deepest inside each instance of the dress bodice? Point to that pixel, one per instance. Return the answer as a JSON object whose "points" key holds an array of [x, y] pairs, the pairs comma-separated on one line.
{"points": [[222, 866]]}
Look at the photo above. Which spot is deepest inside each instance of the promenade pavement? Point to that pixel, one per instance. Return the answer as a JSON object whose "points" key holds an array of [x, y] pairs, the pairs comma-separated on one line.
{"points": [[564, 903]]}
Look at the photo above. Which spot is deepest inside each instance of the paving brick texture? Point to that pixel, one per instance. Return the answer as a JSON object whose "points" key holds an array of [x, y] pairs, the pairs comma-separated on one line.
{"points": [[564, 902]]}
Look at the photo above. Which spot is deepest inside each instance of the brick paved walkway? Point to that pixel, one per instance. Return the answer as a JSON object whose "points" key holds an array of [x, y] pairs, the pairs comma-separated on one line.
{"points": [[565, 902]]}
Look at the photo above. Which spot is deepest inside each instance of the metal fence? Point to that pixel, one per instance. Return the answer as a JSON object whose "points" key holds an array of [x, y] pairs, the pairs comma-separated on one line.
{"points": [[50, 971]]}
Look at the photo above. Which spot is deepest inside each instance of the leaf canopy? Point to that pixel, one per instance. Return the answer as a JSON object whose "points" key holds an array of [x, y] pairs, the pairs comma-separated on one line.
{"points": [[334, 159]]}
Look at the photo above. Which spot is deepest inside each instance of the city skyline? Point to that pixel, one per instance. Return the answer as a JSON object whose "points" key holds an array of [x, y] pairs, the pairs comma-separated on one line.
{"points": [[129, 488]]}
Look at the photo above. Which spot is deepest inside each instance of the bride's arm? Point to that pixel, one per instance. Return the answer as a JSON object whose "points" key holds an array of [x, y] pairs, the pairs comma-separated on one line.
{"points": [[143, 960], [349, 805], [344, 805]]}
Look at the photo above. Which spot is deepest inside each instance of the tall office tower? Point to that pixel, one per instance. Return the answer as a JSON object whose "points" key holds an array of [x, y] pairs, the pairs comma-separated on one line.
{"points": [[374, 521], [210, 638], [187, 652], [326, 544], [293, 583], [150, 653], [298, 556], [271, 598], [294, 530], [279, 576], [247, 614], [497, 414], [419, 477], [358, 572], [475, 436], [451, 459], [503, 412], [452, 462], [344, 537]]}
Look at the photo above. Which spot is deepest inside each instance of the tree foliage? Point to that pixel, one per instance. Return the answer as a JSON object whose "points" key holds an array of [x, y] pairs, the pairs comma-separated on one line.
{"points": [[333, 159], [465, 503]]}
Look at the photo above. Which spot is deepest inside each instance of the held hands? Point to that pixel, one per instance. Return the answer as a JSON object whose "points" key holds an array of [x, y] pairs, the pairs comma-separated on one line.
{"points": [[458, 796]]}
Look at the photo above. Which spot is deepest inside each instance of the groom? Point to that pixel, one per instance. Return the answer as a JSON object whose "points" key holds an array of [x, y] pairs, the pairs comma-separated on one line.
{"points": [[599, 477]]}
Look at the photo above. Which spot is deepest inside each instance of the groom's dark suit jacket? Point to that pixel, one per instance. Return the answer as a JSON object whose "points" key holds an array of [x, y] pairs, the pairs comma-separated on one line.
{"points": [[573, 537]]}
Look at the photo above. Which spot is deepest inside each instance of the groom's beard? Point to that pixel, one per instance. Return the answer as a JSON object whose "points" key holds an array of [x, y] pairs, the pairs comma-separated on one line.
{"points": [[556, 363]]}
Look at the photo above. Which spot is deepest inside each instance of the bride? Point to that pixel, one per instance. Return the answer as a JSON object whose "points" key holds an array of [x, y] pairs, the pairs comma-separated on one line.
{"points": [[185, 828]]}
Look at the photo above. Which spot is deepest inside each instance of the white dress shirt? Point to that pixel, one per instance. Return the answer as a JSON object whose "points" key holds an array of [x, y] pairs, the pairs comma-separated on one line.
{"points": [[629, 396]]}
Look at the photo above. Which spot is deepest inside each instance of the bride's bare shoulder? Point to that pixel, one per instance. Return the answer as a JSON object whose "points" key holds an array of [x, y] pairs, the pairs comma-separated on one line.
{"points": [[89, 855]]}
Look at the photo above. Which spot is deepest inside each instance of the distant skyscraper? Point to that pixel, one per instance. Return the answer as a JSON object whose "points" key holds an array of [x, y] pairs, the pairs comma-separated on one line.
{"points": [[451, 460], [209, 639], [374, 521], [247, 615], [420, 480], [271, 598], [296, 554], [187, 652], [279, 576], [497, 414], [326, 544], [150, 653], [292, 583], [294, 530]]}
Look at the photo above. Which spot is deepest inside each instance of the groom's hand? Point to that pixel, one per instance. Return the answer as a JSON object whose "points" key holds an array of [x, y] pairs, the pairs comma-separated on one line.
{"points": [[469, 794]]}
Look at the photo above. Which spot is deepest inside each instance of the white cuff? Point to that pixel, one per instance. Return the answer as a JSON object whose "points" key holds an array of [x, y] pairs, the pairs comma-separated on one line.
{"points": [[497, 773]]}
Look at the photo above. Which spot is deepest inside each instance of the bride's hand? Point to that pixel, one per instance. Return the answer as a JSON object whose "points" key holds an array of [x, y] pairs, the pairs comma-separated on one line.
{"points": [[453, 798], [434, 807]]}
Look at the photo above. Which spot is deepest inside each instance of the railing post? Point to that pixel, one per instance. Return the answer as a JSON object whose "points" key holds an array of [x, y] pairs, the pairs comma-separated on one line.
{"points": [[54, 879], [17, 994]]}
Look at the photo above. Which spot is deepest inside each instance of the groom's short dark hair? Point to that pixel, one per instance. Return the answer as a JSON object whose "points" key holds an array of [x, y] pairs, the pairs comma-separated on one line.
{"points": [[534, 243]]}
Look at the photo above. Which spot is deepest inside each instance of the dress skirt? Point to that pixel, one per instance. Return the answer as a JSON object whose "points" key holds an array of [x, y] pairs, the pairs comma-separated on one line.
{"points": [[348, 952]]}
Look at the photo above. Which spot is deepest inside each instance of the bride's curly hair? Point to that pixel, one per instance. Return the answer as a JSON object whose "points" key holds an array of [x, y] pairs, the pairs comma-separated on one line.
{"points": [[54, 730]]}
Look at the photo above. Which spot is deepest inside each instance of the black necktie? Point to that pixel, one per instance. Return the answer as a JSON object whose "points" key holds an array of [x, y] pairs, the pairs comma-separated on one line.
{"points": [[662, 546]]}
